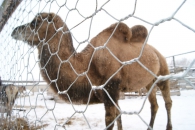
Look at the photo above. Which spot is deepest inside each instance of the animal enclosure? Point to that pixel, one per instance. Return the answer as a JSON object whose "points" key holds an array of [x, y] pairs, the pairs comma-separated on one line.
{"points": [[87, 52]]}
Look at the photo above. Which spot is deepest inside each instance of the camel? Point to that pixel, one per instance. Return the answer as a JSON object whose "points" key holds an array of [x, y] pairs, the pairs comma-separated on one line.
{"points": [[72, 74]]}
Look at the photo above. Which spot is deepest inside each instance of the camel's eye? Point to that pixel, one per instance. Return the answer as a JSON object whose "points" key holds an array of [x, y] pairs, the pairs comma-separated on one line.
{"points": [[33, 23]]}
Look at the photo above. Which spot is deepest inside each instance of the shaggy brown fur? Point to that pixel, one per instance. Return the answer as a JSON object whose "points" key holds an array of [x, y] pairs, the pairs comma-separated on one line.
{"points": [[55, 45], [139, 33]]}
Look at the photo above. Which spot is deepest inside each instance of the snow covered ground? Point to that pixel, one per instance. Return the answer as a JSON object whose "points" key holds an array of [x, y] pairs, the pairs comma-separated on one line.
{"points": [[51, 113]]}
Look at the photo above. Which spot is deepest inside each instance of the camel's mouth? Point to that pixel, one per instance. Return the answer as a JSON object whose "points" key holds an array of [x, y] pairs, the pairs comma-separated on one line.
{"points": [[22, 32], [18, 36], [22, 35]]}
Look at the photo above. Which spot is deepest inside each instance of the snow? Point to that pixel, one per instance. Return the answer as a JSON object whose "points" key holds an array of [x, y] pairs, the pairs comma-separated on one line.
{"points": [[56, 114]]}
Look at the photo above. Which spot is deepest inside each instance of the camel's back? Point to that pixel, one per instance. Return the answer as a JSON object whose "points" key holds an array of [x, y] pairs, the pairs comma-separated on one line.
{"points": [[132, 76], [164, 70], [135, 76]]}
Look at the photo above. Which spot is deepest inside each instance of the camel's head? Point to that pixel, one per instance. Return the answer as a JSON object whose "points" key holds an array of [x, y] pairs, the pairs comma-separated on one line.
{"points": [[42, 27]]}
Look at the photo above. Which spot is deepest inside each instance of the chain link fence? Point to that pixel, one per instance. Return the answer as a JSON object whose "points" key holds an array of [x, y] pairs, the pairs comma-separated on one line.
{"points": [[36, 106]]}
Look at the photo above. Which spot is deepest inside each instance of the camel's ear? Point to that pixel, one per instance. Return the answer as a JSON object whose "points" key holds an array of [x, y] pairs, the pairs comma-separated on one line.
{"points": [[58, 22], [122, 32], [139, 33], [51, 16]]}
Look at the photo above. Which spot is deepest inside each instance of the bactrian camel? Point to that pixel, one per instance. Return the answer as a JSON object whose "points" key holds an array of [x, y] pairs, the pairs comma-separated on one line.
{"points": [[60, 64]]}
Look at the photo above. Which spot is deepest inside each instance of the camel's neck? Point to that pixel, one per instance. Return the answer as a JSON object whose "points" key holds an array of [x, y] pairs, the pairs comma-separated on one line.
{"points": [[56, 53], [59, 62], [56, 44]]}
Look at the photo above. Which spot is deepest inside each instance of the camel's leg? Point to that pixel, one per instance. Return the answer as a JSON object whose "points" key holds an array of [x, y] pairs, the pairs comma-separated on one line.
{"points": [[119, 122], [111, 110], [165, 89], [110, 115], [153, 103]]}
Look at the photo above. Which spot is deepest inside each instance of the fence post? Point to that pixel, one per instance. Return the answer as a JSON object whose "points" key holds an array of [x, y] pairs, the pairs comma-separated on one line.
{"points": [[174, 69]]}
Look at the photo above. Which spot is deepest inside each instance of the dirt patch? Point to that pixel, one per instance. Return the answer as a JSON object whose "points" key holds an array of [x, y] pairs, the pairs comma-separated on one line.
{"points": [[18, 124]]}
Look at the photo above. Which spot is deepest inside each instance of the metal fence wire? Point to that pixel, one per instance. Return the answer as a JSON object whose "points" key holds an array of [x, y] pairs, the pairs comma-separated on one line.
{"points": [[23, 65]]}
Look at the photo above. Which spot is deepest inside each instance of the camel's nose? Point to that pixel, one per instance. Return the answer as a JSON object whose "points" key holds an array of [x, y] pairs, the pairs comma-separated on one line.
{"points": [[13, 33], [16, 32]]}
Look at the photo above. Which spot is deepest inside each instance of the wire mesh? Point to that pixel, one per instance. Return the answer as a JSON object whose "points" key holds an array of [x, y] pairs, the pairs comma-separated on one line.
{"points": [[20, 62]]}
